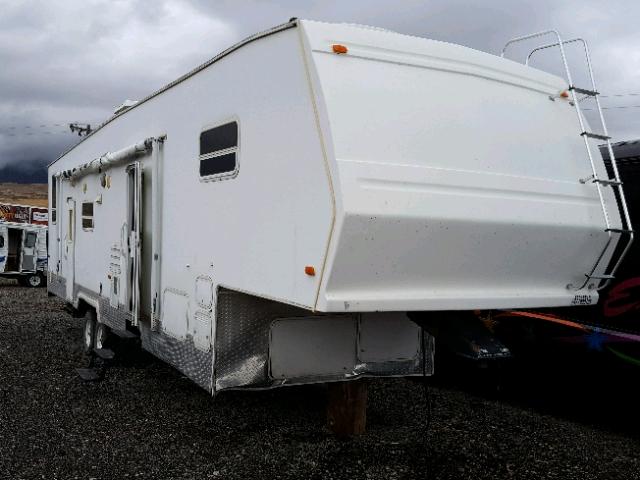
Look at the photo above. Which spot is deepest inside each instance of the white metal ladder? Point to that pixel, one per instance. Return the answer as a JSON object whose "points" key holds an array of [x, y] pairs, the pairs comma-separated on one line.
{"points": [[608, 272]]}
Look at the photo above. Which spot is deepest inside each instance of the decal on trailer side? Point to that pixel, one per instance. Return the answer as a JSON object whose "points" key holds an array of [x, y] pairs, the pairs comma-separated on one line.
{"points": [[582, 299]]}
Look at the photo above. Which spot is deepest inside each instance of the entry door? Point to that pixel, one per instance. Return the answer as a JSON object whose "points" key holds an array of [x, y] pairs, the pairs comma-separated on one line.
{"points": [[4, 246], [69, 247], [28, 260], [134, 215]]}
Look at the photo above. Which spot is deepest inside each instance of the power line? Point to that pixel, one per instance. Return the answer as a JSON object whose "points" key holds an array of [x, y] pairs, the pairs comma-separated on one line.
{"points": [[64, 123], [45, 129], [610, 108], [621, 95], [30, 134]]}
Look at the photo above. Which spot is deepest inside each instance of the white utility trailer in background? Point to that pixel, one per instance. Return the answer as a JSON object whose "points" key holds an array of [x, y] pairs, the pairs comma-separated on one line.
{"points": [[284, 212], [23, 244]]}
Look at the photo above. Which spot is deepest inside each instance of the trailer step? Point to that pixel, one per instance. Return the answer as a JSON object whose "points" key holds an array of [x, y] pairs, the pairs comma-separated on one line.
{"points": [[89, 374], [584, 91], [104, 353], [125, 334], [597, 136]]}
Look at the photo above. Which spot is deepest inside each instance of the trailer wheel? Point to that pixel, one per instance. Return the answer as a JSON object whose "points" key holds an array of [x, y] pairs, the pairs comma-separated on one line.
{"points": [[103, 336], [89, 333], [33, 280]]}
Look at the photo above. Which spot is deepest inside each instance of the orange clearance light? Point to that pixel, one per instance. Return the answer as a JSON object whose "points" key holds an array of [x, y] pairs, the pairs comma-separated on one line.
{"points": [[339, 48], [309, 270], [564, 94]]}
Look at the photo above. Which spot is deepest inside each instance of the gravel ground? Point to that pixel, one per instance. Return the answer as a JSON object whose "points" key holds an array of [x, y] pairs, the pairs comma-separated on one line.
{"points": [[145, 420]]}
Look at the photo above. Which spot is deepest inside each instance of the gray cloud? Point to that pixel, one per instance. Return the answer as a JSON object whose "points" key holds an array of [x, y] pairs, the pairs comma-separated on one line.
{"points": [[76, 60]]}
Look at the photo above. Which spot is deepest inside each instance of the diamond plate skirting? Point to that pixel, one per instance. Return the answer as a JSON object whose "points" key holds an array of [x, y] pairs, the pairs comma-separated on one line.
{"points": [[182, 354], [243, 325], [115, 318], [242, 338], [56, 285]]}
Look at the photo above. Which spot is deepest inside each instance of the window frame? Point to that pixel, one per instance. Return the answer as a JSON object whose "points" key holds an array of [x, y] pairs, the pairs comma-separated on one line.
{"points": [[84, 217], [228, 175], [53, 214]]}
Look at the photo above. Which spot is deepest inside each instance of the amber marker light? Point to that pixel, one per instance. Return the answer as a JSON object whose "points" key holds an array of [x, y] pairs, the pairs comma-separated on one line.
{"points": [[564, 94], [310, 270], [339, 48]]}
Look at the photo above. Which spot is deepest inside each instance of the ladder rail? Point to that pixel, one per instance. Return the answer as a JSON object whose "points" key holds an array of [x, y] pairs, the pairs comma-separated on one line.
{"points": [[574, 98], [625, 217], [614, 163], [625, 209], [528, 37], [549, 45]]}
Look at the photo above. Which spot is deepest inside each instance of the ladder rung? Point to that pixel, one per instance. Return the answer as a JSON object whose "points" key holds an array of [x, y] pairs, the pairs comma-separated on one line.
{"points": [[610, 181], [595, 135], [600, 277], [584, 91], [619, 230]]}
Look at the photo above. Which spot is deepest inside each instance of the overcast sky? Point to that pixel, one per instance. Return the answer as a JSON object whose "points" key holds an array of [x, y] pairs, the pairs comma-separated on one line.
{"points": [[74, 61]]}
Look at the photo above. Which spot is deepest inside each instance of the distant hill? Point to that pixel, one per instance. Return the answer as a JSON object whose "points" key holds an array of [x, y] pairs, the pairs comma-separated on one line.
{"points": [[25, 172], [24, 193]]}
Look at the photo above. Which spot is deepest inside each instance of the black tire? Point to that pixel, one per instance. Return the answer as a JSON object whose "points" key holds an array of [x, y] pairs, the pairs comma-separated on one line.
{"points": [[89, 332], [33, 280], [102, 336]]}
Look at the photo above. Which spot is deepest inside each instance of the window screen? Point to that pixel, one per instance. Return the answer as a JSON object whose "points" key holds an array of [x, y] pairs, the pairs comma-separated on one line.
{"points": [[30, 241], [87, 215], [219, 150]]}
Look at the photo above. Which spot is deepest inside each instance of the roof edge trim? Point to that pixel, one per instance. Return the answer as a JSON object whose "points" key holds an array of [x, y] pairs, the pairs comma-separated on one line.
{"points": [[279, 28]]}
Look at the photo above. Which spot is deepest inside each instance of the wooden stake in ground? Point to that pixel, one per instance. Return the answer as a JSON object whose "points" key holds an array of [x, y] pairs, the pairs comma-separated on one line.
{"points": [[347, 408]]}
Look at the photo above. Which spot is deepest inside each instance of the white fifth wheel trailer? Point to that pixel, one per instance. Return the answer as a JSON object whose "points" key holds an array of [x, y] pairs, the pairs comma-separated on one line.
{"points": [[277, 215]]}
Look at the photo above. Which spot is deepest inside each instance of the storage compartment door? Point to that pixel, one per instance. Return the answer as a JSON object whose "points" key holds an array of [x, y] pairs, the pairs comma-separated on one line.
{"points": [[42, 257], [4, 246], [29, 241]]}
